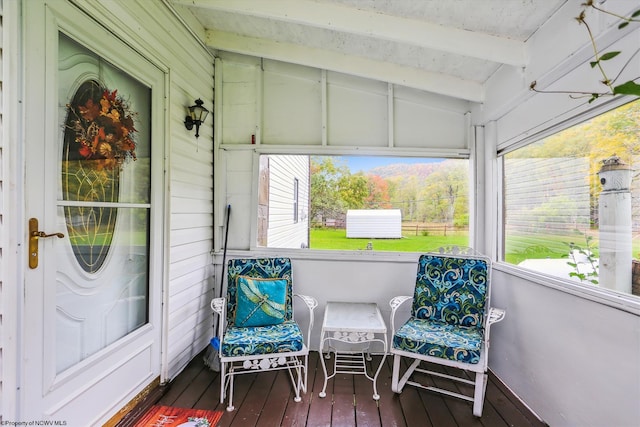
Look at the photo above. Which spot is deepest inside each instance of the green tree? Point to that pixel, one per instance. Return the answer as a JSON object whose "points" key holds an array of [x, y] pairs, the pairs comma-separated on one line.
{"points": [[353, 190], [325, 198], [445, 192]]}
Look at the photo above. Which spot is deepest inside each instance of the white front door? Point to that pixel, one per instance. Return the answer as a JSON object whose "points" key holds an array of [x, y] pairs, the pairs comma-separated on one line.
{"points": [[93, 281]]}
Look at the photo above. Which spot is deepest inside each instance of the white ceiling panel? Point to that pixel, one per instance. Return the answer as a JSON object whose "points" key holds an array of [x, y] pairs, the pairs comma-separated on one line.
{"points": [[449, 47]]}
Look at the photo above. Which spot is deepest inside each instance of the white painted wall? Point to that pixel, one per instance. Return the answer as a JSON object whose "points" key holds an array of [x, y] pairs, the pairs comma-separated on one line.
{"points": [[290, 105], [332, 113], [570, 358]]}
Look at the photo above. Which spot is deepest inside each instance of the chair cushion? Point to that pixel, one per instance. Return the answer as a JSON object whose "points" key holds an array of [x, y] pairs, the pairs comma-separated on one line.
{"points": [[438, 339], [260, 302], [281, 338], [451, 289]]}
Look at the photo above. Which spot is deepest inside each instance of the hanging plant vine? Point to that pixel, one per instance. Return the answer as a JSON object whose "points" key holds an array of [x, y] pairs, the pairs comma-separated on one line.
{"points": [[629, 87]]}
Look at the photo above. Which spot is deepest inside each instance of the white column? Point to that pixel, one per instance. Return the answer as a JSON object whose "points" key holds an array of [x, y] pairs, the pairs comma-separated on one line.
{"points": [[615, 226]]}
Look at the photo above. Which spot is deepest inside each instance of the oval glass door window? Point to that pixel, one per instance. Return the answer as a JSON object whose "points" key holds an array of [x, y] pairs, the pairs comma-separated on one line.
{"points": [[98, 140]]}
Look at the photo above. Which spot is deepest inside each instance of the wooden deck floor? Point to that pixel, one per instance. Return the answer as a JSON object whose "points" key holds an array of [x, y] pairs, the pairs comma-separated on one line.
{"points": [[266, 400]]}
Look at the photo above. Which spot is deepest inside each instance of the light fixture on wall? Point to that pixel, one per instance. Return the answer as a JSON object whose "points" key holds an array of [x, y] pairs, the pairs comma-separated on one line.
{"points": [[197, 116]]}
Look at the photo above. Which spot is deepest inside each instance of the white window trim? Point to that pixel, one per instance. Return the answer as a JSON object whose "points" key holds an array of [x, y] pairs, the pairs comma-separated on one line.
{"points": [[339, 151], [322, 255], [618, 300], [540, 132]]}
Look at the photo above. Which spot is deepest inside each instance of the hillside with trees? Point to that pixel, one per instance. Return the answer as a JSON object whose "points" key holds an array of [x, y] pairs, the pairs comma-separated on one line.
{"points": [[614, 133], [430, 192]]}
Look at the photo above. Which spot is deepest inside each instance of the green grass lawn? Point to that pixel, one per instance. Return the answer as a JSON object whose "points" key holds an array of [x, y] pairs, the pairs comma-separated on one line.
{"points": [[336, 239], [518, 248]]}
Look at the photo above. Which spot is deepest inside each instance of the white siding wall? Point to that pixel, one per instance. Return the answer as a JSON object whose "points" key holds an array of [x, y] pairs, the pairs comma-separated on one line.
{"points": [[189, 211], [9, 207], [283, 232], [2, 228]]}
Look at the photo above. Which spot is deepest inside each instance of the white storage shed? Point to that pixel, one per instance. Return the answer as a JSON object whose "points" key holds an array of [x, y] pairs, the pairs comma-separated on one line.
{"points": [[374, 223]]}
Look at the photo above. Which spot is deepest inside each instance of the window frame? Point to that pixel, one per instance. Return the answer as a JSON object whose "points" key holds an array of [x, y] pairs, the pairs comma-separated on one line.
{"points": [[457, 153], [625, 302]]}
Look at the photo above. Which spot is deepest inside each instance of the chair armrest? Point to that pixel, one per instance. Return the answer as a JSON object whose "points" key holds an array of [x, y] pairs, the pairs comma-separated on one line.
{"points": [[495, 315], [219, 306], [395, 303], [311, 303]]}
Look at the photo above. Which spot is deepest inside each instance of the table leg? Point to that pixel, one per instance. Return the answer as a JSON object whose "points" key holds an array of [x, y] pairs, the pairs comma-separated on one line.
{"points": [[324, 366], [376, 396]]}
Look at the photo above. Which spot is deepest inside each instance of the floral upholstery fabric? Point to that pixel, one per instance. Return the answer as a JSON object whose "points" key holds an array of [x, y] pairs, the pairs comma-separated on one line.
{"points": [[281, 338], [448, 311], [440, 340], [261, 268], [451, 289]]}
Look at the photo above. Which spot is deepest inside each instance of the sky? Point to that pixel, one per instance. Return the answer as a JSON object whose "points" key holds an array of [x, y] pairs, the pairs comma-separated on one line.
{"points": [[365, 163]]}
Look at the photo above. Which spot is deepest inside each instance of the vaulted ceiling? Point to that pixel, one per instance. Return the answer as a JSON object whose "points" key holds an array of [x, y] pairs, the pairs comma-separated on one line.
{"points": [[449, 47]]}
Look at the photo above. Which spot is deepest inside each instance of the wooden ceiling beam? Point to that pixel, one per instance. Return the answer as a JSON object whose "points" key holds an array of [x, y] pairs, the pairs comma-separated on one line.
{"points": [[376, 25], [348, 64]]}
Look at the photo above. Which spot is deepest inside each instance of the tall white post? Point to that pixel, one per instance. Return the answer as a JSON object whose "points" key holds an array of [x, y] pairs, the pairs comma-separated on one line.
{"points": [[615, 225]]}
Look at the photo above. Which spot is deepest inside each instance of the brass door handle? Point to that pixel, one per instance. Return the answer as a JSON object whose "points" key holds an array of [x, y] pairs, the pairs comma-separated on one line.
{"points": [[34, 235]]}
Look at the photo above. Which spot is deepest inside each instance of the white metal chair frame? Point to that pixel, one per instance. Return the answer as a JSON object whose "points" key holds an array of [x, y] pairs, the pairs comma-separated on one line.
{"points": [[494, 315], [295, 362]]}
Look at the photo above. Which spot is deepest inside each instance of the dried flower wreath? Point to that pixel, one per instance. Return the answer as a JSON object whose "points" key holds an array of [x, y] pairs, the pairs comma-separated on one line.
{"points": [[104, 128]]}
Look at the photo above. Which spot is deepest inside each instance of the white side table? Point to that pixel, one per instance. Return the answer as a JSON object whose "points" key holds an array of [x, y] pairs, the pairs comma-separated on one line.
{"points": [[353, 323]]}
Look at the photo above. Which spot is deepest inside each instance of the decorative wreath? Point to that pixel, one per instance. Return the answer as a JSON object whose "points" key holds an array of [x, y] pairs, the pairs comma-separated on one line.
{"points": [[104, 128]]}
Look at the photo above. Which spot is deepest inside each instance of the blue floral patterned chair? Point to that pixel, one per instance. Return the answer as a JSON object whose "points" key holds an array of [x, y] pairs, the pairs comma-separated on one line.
{"points": [[257, 331], [449, 324]]}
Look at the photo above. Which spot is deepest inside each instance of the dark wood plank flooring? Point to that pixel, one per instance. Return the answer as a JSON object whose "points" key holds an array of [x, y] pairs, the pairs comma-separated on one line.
{"points": [[266, 399]]}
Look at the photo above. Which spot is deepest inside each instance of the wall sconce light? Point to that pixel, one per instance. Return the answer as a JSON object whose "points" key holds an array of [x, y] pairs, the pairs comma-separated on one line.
{"points": [[197, 115]]}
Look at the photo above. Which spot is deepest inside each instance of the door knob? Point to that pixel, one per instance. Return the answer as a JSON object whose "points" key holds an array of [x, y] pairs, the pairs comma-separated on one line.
{"points": [[34, 235]]}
